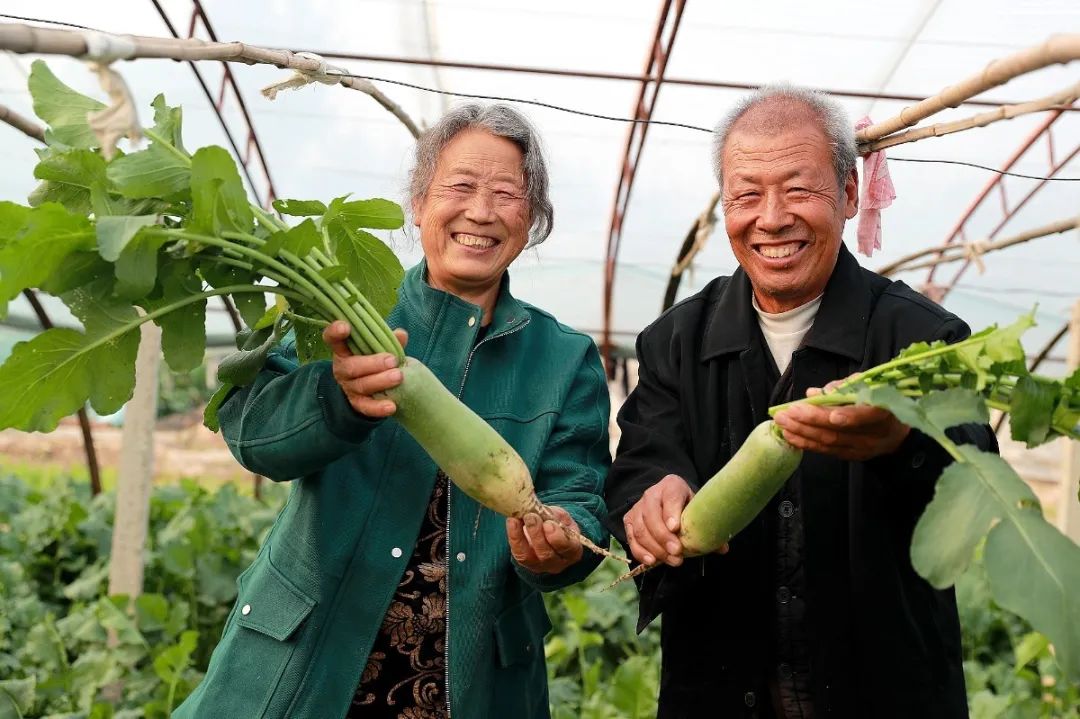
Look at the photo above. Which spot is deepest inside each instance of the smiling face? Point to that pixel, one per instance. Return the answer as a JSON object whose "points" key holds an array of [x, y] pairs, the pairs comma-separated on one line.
{"points": [[783, 211], [474, 218]]}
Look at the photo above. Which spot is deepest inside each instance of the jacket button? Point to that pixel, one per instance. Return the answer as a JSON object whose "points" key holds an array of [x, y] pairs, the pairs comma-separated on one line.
{"points": [[395, 552], [461, 556], [749, 699], [918, 460], [472, 321], [787, 508], [785, 671], [245, 610], [783, 595]]}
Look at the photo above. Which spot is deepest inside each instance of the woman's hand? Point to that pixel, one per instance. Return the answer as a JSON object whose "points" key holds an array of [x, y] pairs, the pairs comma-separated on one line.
{"points": [[359, 376], [541, 546]]}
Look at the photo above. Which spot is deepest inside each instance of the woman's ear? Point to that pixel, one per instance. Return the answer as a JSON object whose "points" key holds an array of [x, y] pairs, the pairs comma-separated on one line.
{"points": [[416, 205]]}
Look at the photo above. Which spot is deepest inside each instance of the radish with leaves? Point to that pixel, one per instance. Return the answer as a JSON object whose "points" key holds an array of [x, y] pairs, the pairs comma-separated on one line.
{"points": [[931, 388], [164, 230]]}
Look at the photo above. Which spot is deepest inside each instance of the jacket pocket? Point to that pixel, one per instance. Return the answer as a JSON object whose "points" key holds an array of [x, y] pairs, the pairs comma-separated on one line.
{"points": [[252, 673], [520, 680], [520, 631]]}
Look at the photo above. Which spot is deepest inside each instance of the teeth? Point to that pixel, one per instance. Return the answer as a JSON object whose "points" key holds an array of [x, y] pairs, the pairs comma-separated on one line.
{"points": [[482, 243], [777, 251]]}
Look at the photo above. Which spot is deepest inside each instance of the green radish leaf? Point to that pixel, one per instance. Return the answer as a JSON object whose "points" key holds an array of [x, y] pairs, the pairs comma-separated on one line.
{"points": [[49, 234], [903, 408], [183, 331], [333, 273], [53, 374], [161, 170], [17, 697], [250, 339], [309, 342], [1030, 647], [1003, 345], [136, 268], [153, 172], [214, 404], [299, 240], [12, 219], [168, 123], [300, 208], [78, 269], [151, 612], [952, 407], [634, 689], [1031, 410], [376, 214], [918, 348], [1034, 571], [75, 179], [969, 497], [219, 202], [372, 266], [171, 663], [250, 305], [62, 109], [241, 368], [114, 233], [268, 318]]}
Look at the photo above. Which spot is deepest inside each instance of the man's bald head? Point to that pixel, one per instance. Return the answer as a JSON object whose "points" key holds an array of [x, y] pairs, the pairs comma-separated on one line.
{"points": [[775, 108]]}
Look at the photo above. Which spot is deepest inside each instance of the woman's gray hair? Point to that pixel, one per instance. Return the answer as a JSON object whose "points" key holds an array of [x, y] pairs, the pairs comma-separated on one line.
{"points": [[501, 121], [831, 117]]}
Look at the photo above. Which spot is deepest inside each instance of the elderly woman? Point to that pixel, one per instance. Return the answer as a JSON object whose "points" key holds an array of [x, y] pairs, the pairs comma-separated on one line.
{"points": [[382, 590]]}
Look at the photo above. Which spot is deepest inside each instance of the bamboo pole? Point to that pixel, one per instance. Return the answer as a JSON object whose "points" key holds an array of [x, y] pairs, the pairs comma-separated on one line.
{"points": [[1063, 98], [23, 39], [957, 252], [27, 127], [135, 478], [1056, 49]]}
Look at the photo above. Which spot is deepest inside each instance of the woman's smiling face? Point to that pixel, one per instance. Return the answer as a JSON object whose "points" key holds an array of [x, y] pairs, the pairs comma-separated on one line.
{"points": [[474, 218]]}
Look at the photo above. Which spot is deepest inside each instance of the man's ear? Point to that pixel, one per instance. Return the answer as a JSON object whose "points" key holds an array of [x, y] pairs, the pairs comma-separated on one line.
{"points": [[851, 194]]}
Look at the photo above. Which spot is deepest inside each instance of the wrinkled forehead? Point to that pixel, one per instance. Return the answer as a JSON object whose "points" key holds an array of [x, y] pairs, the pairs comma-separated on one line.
{"points": [[796, 151]]}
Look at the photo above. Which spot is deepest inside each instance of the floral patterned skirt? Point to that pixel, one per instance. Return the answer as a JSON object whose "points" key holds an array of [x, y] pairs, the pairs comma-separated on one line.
{"points": [[406, 671]]}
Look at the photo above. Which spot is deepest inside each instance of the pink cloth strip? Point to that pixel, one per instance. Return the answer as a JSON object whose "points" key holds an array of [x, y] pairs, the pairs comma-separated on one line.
{"points": [[876, 194]]}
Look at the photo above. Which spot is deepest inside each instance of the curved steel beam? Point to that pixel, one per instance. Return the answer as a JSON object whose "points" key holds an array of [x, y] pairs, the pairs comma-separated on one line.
{"points": [[218, 104], [958, 232], [655, 65]]}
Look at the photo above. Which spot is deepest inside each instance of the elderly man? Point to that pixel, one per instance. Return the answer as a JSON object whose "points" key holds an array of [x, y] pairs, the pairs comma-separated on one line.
{"points": [[814, 610]]}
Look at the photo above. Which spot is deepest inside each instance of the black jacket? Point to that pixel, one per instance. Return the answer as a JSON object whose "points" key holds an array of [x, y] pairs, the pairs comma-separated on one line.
{"points": [[884, 642]]}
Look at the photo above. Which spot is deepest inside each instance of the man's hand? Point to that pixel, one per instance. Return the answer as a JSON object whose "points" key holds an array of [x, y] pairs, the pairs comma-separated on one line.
{"points": [[361, 377], [541, 546], [652, 525], [853, 433]]}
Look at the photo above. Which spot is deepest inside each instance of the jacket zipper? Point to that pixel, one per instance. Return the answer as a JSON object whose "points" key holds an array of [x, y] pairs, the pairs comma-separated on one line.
{"points": [[449, 491]]}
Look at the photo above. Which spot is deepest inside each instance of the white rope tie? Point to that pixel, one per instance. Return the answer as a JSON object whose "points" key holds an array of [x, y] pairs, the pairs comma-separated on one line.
{"points": [[303, 78], [104, 48], [974, 251]]}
